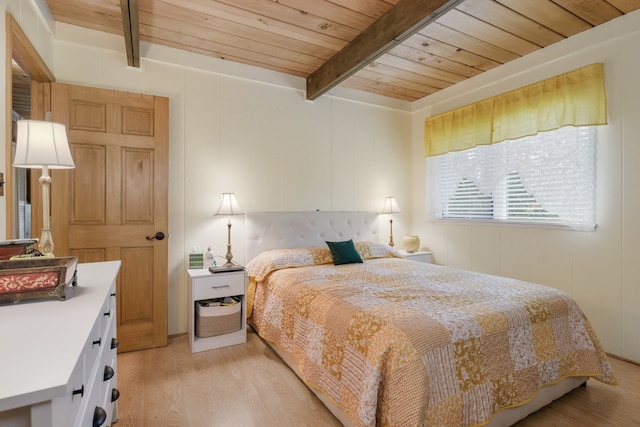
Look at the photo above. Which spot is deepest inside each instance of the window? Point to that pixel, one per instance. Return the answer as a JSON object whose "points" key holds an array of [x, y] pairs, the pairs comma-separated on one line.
{"points": [[469, 202], [519, 203], [24, 207], [547, 178]]}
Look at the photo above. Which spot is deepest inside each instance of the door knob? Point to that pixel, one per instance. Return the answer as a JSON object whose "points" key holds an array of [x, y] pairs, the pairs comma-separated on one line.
{"points": [[159, 235]]}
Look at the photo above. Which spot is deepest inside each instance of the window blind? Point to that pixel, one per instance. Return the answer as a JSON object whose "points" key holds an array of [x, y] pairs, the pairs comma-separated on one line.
{"points": [[546, 178]]}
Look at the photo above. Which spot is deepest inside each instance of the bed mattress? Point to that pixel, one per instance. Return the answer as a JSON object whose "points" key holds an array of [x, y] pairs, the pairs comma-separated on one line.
{"points": [[396, 342]]}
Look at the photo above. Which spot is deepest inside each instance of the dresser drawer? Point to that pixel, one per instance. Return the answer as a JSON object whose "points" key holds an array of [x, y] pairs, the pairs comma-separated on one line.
{"points": [[217, 286], [93, 402], [93, 347], [66, 409]]}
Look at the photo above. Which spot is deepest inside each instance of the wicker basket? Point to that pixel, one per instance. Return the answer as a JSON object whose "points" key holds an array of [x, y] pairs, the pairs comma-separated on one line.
{"points": [[217, 320]]}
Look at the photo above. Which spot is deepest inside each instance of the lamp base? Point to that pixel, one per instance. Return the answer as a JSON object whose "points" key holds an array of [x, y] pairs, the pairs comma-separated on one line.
{"points": [[45, 245], [229, 257]]}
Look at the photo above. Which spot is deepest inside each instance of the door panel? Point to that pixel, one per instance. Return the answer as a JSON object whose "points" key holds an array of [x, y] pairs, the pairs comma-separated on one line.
{"points": [[115, 197], [138, 186], [88, 185], [137, 121], [88, 116], [89, 255], [135, 308]]}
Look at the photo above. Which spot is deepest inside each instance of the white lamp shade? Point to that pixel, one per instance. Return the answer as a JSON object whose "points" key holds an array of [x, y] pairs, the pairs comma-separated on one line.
{"points": [[41, 143], [390, 206], [229, 205]]}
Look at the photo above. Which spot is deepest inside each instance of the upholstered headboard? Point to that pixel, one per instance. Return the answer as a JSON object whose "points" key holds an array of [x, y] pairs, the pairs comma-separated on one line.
{"points": [[279, 230]]}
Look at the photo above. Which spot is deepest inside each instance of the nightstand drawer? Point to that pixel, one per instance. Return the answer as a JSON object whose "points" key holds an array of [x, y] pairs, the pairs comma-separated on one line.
{"points": [[218, 285], [420, 256]]}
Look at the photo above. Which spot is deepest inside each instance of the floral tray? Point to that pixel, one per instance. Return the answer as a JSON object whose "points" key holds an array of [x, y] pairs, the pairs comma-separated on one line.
{"points": [[37, 277]]}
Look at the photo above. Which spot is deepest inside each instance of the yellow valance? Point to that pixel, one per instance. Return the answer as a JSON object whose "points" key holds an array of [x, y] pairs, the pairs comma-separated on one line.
{"points": [[575, 98]]}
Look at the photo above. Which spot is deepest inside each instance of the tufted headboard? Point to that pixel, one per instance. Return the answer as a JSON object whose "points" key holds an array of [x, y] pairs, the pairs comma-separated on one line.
{"points": [[279, 230]]}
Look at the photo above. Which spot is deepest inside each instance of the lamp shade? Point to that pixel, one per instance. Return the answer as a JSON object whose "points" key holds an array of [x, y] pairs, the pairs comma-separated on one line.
{"points": [[229, 205], [41, 143], [390, 206]]}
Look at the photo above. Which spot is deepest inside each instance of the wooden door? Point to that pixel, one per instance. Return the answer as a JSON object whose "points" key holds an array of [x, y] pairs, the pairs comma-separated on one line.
{"points": [[115, 199]]}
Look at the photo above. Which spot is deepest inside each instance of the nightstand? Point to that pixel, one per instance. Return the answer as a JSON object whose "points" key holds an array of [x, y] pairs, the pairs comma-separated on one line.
{"points": [[206, 286], [421, 256]]}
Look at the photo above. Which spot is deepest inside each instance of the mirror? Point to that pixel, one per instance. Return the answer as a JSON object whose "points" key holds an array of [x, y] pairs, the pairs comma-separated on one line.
{"points": [[30, 64], [20, 178]]}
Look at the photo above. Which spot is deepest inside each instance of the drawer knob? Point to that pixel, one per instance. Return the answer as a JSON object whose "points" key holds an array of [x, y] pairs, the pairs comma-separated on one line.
{"points": [[114, 343], [98, 342], [115, 394], [108, 373], [79, 391], [99, 416], [108, 313]]}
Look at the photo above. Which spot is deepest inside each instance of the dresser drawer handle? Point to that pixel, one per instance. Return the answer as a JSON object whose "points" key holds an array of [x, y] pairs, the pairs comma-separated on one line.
{"points": [[219, 286], [115, 394], [99, 416], [108, 313], [114, 343], [98, 341], [79, 391], [108, 373]]}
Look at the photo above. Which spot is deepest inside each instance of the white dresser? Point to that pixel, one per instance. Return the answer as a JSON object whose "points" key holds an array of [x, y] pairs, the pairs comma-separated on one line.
{"points": [[58, 358]]}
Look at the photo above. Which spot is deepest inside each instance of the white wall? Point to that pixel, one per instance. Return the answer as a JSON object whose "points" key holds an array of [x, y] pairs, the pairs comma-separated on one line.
{"points": [[259, 139], [254, 134], [600, 269]]}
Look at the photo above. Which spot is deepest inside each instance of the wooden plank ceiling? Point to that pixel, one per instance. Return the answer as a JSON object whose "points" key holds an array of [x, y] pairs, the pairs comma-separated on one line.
{"points": [[418, 47]]}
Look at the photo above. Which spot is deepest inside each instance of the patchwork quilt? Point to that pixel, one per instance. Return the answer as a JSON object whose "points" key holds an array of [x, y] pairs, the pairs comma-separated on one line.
{"points": [[395, 342]]}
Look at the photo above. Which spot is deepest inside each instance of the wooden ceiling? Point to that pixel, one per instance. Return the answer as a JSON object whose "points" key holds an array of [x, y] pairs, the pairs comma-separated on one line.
{"points": [[403, 49]]}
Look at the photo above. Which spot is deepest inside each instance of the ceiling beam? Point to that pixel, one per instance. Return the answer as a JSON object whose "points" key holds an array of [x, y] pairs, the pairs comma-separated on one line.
{"points": [[400, 22], [131, 29]]}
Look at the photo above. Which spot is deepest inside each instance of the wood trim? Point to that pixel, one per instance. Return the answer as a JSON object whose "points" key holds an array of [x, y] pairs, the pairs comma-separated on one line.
{"points": [[20, 49], [26, 55], [131, 29], [8, 134], [624, 359], [161, 132], [399, 23]]}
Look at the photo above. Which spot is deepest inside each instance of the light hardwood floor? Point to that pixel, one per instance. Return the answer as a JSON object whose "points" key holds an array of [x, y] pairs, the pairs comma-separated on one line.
{"points": [[249, 385]]}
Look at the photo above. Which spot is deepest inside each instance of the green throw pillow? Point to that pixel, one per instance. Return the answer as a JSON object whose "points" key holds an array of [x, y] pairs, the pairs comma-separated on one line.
{"points": [[344, 252]]}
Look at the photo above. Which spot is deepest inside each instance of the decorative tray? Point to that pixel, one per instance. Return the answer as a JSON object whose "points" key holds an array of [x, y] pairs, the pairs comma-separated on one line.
{"points": [[36, 277], [9, 248]]}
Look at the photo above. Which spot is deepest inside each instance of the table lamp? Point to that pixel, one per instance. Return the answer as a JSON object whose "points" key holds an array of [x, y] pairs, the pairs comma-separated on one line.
{"points": [[43, 145], [390, 207], [229, 206]]}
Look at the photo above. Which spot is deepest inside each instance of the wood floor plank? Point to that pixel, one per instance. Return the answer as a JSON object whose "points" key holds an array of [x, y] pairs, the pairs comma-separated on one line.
{"points": [[249, 385], [243, 385]]}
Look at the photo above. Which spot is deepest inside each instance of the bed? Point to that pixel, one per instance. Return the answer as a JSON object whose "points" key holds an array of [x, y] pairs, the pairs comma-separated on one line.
{"points": [[384, 340]]}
